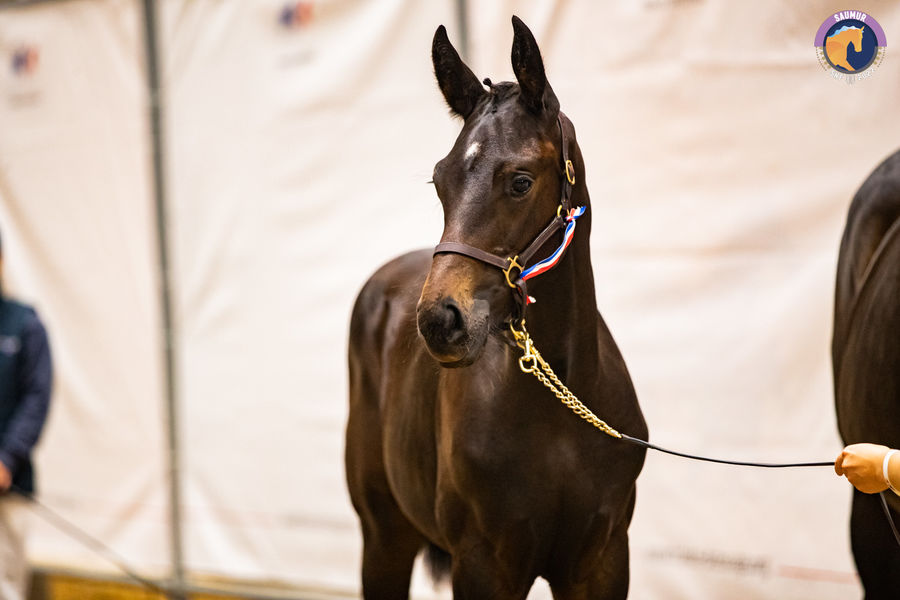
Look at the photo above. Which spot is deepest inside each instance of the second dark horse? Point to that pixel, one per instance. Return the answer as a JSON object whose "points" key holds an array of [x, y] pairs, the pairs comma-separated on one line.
{"points": [[866, 360], [449, 445]]}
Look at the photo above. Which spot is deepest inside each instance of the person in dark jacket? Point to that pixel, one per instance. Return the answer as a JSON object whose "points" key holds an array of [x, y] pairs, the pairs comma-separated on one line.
{"points": [[25, 383]]}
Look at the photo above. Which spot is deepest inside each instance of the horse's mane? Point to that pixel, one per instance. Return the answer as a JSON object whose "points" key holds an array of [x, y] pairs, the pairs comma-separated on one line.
{"points": [[501, 92]]}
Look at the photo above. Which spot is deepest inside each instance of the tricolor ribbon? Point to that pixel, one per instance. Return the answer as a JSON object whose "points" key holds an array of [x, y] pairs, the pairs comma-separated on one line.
{"points": [[552, 260]]}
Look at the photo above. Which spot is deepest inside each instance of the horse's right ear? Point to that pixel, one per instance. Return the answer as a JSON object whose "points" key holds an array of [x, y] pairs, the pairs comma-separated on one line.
{"points": [[535, 92], [460, 87]]}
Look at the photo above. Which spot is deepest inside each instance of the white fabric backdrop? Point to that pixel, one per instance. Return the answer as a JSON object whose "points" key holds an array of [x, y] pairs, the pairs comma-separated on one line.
{"points": [[289, 147], [721, 160], [78, 230]]}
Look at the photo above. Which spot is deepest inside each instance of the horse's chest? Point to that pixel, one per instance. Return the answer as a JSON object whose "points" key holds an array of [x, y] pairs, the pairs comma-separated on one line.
{"points": [[505, 459], [493, 484], [480, 445]]}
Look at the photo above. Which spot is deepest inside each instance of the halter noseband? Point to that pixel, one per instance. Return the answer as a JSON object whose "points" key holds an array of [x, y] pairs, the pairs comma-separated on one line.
{"points": [[514, 267]]}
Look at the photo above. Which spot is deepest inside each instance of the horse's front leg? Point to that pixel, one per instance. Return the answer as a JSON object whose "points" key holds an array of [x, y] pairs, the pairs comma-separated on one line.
{"points": [[390, 541], [388, 561], [607, 579], [480, 572]]}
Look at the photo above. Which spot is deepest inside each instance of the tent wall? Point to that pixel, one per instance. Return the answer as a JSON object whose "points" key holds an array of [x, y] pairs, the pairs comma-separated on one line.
{"points": [[721, 161], [78, 239]]}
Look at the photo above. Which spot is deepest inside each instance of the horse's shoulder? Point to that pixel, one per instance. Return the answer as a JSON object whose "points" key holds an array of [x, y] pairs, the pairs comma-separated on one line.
{"points": [[397, 277], [390, 292], [411, 264]]}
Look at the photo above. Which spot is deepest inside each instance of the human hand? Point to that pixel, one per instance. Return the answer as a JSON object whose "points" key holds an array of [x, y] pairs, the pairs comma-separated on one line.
{"points": [[862, 465], [5, 478]]}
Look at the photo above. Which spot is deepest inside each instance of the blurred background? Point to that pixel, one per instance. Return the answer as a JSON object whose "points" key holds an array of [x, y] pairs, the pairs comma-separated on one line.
{"points": [[193, 191]]}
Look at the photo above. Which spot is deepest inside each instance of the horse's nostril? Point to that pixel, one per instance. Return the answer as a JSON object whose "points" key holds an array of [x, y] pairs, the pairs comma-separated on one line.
{"points": [[443, 324], [453, 322]]}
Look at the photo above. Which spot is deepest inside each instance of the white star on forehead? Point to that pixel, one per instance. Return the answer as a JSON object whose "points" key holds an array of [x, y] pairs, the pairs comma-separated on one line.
{"points": [[473, 150]]}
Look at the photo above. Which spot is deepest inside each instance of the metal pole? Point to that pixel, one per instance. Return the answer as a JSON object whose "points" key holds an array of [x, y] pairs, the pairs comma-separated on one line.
{"points": [[159, 189], [23, 3], [462, 21]]}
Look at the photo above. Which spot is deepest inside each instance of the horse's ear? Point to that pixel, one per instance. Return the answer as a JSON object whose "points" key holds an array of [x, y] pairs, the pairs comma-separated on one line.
{"points": [[460, 87], [535, 92]]}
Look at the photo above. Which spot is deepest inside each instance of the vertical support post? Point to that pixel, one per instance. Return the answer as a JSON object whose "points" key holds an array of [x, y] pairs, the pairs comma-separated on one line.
{"points": [[462, 22], [159, 192]]}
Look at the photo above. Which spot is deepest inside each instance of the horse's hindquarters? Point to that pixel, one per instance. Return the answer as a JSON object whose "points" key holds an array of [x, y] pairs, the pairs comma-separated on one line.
{"points": [[866, 357], [867, 375]]}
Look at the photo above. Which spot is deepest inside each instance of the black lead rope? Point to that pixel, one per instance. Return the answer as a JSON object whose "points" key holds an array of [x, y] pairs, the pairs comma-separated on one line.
{"points": [[646, 444], [105, 551]]}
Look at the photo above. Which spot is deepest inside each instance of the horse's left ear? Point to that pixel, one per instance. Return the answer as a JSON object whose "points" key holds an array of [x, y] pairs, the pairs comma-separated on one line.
{"points": [[535, 91]]}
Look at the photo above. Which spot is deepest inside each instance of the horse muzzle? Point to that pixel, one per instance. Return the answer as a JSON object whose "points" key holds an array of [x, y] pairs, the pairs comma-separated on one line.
{"points": [[454, 332]]}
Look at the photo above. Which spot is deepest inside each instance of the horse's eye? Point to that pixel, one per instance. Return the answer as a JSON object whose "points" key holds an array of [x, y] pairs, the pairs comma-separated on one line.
{"points": [[520, 185]]}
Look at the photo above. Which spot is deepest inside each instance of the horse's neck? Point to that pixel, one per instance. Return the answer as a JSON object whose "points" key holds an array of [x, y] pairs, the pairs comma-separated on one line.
{"points": [[563, 321]]}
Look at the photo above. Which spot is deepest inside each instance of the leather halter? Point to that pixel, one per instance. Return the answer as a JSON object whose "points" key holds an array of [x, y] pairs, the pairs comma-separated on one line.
{"points": [[512, 266]]}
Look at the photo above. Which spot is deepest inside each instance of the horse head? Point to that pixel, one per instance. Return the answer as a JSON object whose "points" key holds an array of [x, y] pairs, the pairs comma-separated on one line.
{"points": [[857, 39], [498, 186]]}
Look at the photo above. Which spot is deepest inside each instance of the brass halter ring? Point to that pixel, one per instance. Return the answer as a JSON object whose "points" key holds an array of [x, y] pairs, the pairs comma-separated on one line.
{"points": [[570, 172], [513, 264]]}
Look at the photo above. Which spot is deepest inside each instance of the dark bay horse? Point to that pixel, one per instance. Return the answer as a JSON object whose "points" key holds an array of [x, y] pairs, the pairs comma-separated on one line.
{"points": [[866, 360], [449, 446]]}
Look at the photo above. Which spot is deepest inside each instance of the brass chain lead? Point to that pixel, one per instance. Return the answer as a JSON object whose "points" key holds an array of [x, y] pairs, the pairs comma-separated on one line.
{"points": [[532, 362]]}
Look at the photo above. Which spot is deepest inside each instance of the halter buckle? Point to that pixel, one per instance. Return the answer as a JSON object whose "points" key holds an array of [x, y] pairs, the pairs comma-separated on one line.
{"points": [[513, 264], [570, 172]]}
